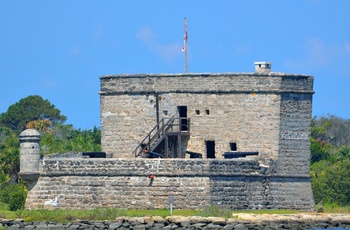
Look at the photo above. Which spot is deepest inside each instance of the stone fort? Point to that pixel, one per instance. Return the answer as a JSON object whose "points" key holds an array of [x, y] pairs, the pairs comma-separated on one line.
{"points": [[237, 140]]}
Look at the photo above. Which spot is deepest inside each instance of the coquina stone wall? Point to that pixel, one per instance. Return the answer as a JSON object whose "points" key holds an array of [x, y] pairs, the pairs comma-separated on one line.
{"points": [[294, 154], [265, 112], [83, 183]]}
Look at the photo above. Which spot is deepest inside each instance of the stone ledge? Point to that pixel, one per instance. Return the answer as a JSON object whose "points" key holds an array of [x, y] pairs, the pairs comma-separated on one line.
{"points": [[272, 91], [233, 74]]}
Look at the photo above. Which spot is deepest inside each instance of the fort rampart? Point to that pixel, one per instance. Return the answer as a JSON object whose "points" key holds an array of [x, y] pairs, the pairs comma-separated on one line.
{"points": [[194, 183]]}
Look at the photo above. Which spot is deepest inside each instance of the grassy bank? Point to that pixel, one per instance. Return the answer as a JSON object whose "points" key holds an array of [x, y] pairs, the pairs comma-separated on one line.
{"points": [[64, 216]]}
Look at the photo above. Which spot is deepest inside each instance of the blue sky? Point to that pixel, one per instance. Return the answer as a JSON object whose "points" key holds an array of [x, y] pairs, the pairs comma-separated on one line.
{"points": [[59, 49]]}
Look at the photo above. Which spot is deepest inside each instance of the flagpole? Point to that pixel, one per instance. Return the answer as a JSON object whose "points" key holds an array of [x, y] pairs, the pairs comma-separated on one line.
{"points": [[185, 44]]}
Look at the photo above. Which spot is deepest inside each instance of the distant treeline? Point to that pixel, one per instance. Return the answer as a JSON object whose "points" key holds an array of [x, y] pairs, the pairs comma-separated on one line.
{"points": [[330, 149]]}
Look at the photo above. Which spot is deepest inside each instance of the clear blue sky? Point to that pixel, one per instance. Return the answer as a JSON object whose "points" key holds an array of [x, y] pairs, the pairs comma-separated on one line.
{"points": [[59, 49]]}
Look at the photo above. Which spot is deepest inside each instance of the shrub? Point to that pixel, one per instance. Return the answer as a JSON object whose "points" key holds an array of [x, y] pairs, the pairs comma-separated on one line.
{"points": [[216, 211], [14, 195]]}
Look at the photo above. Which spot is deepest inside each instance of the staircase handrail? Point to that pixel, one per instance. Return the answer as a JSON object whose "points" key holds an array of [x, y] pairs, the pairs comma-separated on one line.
{"points": [[161, 128]]}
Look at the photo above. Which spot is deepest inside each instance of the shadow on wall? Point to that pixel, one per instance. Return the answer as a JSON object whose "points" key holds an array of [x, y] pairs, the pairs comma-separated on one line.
{"points": [[173, 147]]}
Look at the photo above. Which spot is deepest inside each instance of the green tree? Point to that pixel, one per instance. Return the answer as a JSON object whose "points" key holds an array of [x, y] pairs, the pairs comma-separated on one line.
{"points": [[331, 182], [64, 138], [330, 160], [14, 195], [4, 133], [29, 109], [53, 140], [320, 150], [86, 140], [331, 129], [9, 157]]}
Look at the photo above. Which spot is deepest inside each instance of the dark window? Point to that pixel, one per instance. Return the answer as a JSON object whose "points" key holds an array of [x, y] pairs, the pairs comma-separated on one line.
{"points": [[165, 112], [197, 112], [207, 111], [183, 117], [210, 145], [233, 146]]}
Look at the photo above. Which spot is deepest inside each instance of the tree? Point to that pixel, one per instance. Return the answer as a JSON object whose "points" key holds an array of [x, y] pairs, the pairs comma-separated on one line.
{"points": [[41, 125], [330, 160], [14, 195], [64, 138], [319, 150], [9, 157], [4, 133], [29, 109], [332, 129], [85, 140], [331, 182]]}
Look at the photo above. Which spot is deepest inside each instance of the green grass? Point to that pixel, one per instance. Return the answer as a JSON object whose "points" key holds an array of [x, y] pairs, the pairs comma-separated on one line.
{"points": [[5, 213], [279, 211], [64, 216], [216, 211], [331, 209]]}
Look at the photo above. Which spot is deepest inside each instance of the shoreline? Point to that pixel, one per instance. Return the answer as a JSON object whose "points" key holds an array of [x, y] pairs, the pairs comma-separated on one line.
{"points": [[240, 221]]}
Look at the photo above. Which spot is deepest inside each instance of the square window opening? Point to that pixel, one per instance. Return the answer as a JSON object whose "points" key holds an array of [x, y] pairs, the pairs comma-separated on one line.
{"points": [[233, 146]]}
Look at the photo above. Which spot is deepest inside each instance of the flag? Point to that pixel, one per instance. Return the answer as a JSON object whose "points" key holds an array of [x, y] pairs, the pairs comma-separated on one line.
{"points": [[185, 36]]}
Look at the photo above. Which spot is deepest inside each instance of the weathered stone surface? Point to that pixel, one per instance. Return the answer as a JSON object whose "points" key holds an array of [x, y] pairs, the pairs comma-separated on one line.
{"points": [[229, 226], [136, 220], [198, 219], [217, 220], [199, 225], [157, 219], [138, 227], [213, 226], [265, 112], [242, 107], [194, 183], [114, 225], [244, 221], [241, 227], [177, 219]]}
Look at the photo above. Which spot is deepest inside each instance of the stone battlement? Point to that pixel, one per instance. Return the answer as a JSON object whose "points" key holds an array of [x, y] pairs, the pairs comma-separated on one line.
{"points": [[146, 167], [206, 83], [194, 183]]}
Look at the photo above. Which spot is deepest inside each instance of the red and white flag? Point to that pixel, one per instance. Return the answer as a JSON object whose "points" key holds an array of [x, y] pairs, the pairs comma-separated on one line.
{"points": [[185, 37]]}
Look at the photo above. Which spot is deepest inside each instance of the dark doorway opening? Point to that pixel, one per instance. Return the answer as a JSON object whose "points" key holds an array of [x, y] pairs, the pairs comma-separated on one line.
{"points": [[233, 146], [183, 117], [210, 145]]}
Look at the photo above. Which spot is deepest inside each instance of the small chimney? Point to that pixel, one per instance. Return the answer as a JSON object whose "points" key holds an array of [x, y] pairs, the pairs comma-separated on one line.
{"points": [[262, 67]]}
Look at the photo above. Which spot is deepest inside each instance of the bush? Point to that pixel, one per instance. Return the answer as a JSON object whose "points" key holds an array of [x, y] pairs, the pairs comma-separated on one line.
{"points": [[331, 182], [14, 195]]}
